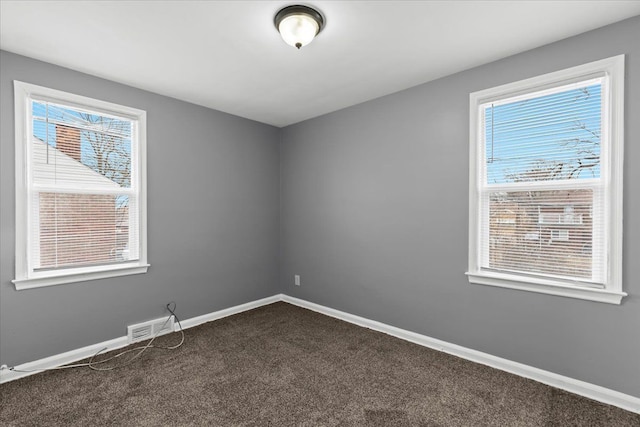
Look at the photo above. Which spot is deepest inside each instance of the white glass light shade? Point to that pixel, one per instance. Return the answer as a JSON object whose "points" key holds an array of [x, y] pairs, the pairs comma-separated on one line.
{"points": [[298, 30]]}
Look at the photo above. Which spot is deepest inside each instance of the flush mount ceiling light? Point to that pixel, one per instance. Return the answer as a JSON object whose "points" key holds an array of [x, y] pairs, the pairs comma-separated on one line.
{"points": [[298, 24]]}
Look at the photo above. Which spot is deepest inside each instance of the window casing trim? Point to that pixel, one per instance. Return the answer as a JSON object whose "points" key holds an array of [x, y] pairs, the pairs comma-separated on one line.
{"points": [[545, 286], [25, 276], [87, 273], [613, 133]]}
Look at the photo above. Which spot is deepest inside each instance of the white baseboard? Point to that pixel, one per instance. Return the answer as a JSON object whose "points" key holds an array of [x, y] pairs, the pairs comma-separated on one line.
{"points": [[592, 391], [116, 343], [195, 321], [61, 359]]}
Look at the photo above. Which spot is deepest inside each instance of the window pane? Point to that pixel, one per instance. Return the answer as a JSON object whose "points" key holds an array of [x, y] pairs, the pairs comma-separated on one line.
{"points": [[80, 147], [542, 232], [74, 149], [550, 137], [82, 229]]}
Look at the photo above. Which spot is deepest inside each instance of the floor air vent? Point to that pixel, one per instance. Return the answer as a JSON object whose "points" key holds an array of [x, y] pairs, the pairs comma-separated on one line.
{"points": [[147, 330]]}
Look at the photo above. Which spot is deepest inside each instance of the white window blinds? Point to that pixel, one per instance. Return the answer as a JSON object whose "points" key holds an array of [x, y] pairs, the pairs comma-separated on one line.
{"points": [[541, 187], [83, 191]]}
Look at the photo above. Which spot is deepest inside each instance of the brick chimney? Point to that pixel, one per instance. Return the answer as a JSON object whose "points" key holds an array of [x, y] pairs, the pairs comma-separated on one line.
{"points": [[68, 141]]}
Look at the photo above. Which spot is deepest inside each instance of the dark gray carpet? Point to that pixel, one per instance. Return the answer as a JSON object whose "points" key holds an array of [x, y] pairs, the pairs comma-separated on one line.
{"points": [[281, 365]]}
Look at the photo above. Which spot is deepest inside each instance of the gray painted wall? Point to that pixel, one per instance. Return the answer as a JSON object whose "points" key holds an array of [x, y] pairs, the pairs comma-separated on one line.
{"points": [[374, 214], [213, 216]]}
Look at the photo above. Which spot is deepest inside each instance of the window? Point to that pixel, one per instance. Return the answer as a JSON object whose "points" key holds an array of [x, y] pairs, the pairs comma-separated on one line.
{"points": [[563, 236], [545, 193], [80, 188]]}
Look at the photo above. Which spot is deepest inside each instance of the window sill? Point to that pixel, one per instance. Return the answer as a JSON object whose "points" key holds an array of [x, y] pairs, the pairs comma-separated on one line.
{"points": [[546, 287], [78, 276]]}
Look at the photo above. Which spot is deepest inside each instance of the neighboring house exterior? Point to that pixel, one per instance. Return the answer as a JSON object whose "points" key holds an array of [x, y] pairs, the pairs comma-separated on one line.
{"points": [[567, 224], [75, 229], [560, 233]]}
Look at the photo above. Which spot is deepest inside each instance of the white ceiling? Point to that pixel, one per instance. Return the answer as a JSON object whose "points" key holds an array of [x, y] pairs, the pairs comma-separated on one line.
{"points": [[227, 55]]}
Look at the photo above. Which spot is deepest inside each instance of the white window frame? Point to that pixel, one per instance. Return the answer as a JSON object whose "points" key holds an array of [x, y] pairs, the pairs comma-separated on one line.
{"points": [[25, 276], [612, 162]]}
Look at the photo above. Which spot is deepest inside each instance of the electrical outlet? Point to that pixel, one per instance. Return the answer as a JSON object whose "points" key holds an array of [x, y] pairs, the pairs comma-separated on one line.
{"points": [[296, 279]]}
